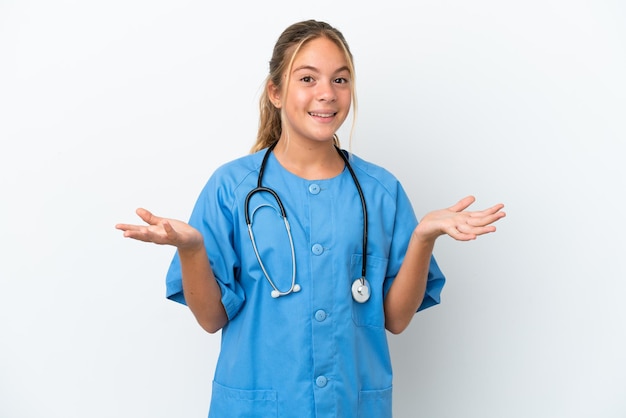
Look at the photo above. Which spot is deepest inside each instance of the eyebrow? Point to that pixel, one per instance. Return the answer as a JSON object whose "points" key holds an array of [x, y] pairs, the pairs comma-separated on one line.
{"points": [[311, 68]]}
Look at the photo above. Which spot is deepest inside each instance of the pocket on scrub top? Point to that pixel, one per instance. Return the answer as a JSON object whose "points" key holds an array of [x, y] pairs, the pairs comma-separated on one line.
{"points": [[238, 403], [375, 403], [369, 313]]}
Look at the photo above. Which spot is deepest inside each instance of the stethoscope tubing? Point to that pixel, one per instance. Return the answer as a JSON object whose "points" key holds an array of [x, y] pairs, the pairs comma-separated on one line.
{"points": [[261, 189], [364, 206]]}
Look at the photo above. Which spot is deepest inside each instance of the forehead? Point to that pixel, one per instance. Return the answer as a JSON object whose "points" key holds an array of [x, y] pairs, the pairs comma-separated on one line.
{"points": [[321, 53]]}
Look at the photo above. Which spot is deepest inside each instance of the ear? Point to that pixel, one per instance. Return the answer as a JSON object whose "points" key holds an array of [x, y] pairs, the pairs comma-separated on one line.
{"points": [[273, 93]]}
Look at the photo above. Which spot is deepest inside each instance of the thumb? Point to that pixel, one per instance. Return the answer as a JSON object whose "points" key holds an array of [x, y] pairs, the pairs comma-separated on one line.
{"points": [[462, 204], [147, 216]]}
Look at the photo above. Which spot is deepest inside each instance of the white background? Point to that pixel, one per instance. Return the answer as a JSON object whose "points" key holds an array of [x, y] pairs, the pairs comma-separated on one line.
{"points": [[107, 106]]}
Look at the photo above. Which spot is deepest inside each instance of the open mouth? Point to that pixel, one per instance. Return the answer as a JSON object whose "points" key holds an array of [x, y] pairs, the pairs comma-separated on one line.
{"points": [[323, 115]]}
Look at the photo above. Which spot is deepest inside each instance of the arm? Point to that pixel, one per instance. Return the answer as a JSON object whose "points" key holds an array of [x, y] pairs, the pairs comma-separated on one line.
{"points": [[407, 291], [202, 293]]}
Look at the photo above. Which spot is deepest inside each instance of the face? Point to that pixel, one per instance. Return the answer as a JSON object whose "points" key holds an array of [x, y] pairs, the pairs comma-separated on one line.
{"points": [[318, 98]]}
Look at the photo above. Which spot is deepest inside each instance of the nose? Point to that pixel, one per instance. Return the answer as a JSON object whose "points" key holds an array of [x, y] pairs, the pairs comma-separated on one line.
{"points": [[326, 92]]}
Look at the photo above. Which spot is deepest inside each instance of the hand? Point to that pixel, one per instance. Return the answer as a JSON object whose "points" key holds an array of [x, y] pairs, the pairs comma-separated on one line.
{"points": [[163, 231], [460, 224]]}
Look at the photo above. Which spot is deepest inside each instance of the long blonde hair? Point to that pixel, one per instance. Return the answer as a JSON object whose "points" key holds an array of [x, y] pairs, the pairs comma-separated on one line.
{"points": [[285, 51]]}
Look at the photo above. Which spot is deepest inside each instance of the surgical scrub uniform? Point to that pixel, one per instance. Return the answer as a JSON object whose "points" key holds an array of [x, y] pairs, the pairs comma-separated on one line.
{"points": [[317, 352]]}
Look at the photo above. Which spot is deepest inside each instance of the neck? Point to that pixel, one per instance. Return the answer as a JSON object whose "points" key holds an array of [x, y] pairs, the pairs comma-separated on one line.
{"points": [[314, 161]]}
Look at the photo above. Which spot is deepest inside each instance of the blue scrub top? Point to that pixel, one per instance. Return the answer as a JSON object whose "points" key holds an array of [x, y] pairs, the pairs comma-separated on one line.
{"points": [[315, 353]]}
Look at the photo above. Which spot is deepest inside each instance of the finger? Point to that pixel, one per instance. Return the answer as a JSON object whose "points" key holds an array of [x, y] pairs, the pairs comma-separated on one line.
{"points": [[484, 230], [485, 219], [473, 226], [460, 235], [127, 227], [121, 227], [140, 234], [147, 216], [488, 211], [462, 204]]}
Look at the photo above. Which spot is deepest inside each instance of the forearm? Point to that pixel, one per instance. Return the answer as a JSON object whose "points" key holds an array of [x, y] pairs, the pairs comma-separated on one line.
{"points": [[202, 293], [407, 291]]}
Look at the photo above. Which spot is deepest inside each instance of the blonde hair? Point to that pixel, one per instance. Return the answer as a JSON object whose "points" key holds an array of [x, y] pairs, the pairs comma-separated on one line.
{"points": [[285, 50]]}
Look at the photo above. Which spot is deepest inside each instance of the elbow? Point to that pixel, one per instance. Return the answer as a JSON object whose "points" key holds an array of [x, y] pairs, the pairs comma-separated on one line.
{"points": [[395, 330], [211, 318], [396, 327], [397, 320], [213, 322], [211, 326], [212, 330]]}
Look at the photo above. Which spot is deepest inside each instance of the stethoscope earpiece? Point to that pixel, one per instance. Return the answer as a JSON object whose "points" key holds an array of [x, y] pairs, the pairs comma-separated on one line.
{"points": [[277, 293]]}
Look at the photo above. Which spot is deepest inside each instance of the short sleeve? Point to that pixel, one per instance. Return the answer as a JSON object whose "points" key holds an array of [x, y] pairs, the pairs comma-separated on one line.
{"points": [[212, 216], [404, 225], [434, 286]]}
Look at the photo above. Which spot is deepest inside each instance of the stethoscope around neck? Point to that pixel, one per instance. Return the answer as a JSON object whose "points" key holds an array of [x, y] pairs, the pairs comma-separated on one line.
{"points": [[360, 287]]}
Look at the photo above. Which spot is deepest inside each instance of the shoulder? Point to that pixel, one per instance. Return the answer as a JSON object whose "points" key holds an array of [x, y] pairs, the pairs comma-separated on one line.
{"points": [[232, 180], [384, 192], [234, 173], [369, 172]]}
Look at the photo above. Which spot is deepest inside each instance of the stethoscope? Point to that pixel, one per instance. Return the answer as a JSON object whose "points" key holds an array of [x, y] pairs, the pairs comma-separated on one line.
{"points": [[360, 287]]}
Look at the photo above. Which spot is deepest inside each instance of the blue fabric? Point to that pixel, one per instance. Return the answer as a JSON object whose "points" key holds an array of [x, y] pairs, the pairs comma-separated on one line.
{"points": [[315, 353]]}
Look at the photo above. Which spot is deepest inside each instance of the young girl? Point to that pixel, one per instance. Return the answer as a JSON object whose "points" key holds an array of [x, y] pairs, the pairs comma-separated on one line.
{"points": [[303, 254]]}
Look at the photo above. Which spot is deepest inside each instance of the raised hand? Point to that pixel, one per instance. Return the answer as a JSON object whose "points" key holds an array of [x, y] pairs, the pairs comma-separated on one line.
{"points": [[459, 223], [162, 231]]}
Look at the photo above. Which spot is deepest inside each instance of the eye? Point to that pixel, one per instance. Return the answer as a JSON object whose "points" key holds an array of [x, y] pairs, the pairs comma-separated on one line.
{"points": [[307, 79], [340, 80]]}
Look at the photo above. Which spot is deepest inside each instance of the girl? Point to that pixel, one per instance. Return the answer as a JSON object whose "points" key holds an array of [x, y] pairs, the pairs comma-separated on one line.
{"points": [[303, 254]]}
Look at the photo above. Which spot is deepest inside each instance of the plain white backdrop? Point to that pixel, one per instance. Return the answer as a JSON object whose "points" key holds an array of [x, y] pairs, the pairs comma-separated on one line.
{"points": [[107, 106]]}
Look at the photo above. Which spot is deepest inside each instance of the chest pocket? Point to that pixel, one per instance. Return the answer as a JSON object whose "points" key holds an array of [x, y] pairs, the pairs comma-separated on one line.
{"points": [[370, 313]]}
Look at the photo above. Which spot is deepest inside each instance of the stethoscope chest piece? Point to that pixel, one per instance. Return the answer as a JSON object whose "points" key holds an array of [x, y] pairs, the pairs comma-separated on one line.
{"points": [[360, 290]]}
